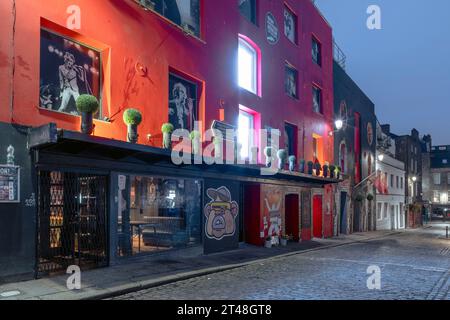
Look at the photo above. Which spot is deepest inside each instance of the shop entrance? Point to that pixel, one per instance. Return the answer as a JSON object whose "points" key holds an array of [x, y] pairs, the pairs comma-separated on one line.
{"points": [[72, 221], [317, 216], [292, 219]]}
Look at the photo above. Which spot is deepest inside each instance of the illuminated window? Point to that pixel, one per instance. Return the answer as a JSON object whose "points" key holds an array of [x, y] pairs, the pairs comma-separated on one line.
{"points": [[317, 99], [247, 66], [437, 178], [245, 133]]}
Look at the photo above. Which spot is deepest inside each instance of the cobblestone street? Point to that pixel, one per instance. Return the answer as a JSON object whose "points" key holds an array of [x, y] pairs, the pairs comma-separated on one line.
{"points": [[414, 265]]}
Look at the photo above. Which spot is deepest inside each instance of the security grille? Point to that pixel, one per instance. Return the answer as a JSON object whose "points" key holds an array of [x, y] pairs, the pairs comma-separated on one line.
{"points": [[71, 221]]}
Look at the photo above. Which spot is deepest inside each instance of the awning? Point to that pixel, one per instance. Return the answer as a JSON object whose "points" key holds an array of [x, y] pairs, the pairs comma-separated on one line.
{"points": [[119, 155]]}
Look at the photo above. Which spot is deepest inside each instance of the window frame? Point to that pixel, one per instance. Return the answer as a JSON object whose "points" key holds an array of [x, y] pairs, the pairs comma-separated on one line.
{"points": [[319, 89], [254, 12], [288, 9], [288, 66], [251, 139], [250, 47], [319, 61]]}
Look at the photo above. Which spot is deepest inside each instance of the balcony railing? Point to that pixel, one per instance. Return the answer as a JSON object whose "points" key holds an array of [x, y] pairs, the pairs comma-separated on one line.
{"points": [[339, 55]]}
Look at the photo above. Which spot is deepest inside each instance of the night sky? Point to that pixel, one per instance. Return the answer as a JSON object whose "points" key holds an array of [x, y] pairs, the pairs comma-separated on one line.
{"points": [[403, 68]]}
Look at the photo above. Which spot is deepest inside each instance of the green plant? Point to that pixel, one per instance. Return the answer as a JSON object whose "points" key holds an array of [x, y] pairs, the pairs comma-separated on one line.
{"points": [[132, 117], [194, 135], [268, 152], [359, 197], [87, 104], [292, 159], [167, 128], [282, 154], [370, 197]]}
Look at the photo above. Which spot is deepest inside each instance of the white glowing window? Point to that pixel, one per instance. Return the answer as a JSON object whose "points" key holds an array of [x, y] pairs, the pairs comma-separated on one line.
{"points": [[247, 66], [245, 133]]}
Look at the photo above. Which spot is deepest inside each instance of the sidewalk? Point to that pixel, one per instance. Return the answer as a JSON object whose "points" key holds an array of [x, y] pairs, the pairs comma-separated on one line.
{"points": [[159, 269]]}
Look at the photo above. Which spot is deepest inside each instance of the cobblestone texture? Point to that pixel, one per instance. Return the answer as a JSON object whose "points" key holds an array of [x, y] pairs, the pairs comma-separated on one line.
{"points": [[414, 265]]}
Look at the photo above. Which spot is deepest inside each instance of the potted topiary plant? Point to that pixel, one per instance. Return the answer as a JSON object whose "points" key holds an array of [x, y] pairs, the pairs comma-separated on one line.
{"points": [[292, 161], [167, 129], [195, 138], [301, 166], [310, 167], [338, 172], [87, 105], [370, 197], [132, 118], [325, 170], [359, 197], [318, 168], [268, 242], [282, 157], [332, 171], [268, 152], [284, 240]]}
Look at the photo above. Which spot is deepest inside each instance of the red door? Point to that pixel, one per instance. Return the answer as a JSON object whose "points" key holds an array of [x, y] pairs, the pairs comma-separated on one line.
{"points": [[317, 217], [292, 220]]}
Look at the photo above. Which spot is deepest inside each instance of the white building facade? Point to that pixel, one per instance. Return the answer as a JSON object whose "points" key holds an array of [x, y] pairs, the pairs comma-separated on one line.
{"points": [[390, 185]]}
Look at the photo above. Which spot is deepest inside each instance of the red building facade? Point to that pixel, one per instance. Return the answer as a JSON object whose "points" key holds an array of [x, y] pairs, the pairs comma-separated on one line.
{"points": [[135, 54]]}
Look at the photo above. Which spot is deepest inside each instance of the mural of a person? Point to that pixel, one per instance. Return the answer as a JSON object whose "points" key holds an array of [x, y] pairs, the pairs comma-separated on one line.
{"points": [[69, 73], [181, 107]]}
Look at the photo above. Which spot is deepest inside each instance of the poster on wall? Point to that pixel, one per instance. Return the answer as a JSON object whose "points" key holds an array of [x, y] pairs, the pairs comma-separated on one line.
{"points": [[221, 216], [9, 184], [273, 207], [68, 69], [183, 102]]}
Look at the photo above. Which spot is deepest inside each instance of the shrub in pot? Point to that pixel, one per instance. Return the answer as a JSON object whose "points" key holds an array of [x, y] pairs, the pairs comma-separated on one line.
{"points": [[292, 161], [87, 105], [282, 157], [359, 197], [132, 118], [370, 197], [167, 129], [325, 171], [301, 167], [338, 172], [318, 168], [284, 241], [332, 171], [195, 138], [268, 152], [310, 167]]}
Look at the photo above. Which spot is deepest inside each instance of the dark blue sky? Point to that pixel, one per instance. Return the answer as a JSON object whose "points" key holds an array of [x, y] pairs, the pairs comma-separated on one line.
{"points": [[403, 68]]}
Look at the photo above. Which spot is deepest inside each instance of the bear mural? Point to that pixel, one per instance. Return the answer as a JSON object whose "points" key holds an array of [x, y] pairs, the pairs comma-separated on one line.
{"points": [[220, 213]]}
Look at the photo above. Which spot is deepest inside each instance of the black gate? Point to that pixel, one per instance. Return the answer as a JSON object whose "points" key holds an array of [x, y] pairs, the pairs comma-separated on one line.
{"points": [[72, 224]]}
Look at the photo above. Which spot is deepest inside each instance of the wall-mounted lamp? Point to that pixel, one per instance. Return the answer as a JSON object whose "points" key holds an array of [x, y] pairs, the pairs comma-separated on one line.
{"points": [[414, 179], [380, 157], [339, 124]]}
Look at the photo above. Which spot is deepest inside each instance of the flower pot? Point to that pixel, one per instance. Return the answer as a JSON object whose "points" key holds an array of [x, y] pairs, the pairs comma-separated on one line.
{"points": [[301, 167], [167, 140], [87, 125], [132, 135], [283, 242], [332, 171], [268, 244], [310, 168], [325, 171]]}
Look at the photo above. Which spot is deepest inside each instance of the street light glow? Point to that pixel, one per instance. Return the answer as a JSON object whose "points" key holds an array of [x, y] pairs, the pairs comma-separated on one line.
{"points": [[380, 157], [339, 124]]}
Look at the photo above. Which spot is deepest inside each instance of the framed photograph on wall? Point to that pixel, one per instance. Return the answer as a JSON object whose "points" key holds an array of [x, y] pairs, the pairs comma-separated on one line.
{"points": [[68, 69], [183, 102]]}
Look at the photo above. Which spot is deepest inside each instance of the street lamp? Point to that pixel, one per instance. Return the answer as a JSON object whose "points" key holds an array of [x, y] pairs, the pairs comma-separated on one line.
{"points": [[380, 157], [339, 124], [414, 179]]}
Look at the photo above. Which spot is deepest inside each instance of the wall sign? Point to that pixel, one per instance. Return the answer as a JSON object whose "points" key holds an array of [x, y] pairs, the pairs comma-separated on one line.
{"points": [[9, 184], [272, 30]]}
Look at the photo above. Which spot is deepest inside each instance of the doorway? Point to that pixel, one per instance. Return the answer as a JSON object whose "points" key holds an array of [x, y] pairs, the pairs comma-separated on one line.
{"points": [[72, 221], [292, 217], [343, 213], [306, 215], [317, 216]]}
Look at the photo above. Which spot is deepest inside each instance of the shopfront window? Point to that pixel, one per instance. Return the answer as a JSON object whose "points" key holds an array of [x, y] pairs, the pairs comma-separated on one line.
{"points": [[164, 213]]}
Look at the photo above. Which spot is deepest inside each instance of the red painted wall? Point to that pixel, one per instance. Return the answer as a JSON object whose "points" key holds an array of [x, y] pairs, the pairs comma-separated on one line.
{"points": [[127, 35]]}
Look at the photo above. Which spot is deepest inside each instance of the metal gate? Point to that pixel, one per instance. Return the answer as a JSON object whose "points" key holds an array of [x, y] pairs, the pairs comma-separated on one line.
{"points": [[72, 224]]}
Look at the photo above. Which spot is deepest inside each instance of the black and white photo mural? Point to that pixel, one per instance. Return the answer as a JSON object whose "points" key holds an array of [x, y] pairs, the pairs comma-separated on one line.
{"points": [[290, 25], [68, 69], [183, 103]]}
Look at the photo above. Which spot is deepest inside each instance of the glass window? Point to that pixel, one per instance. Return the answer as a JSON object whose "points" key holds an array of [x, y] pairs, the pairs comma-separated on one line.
{"points": [[164, 213], [317, 99], [185, 13], [248, 9], [397, 181], [245, 133], [401, 182], [68, 69], [448, 178], [247, 66], [290, 139], [183, 102], [437, 178], [392, 180], [316, 51], [290, 25], [435, 196], [291, 80]]}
